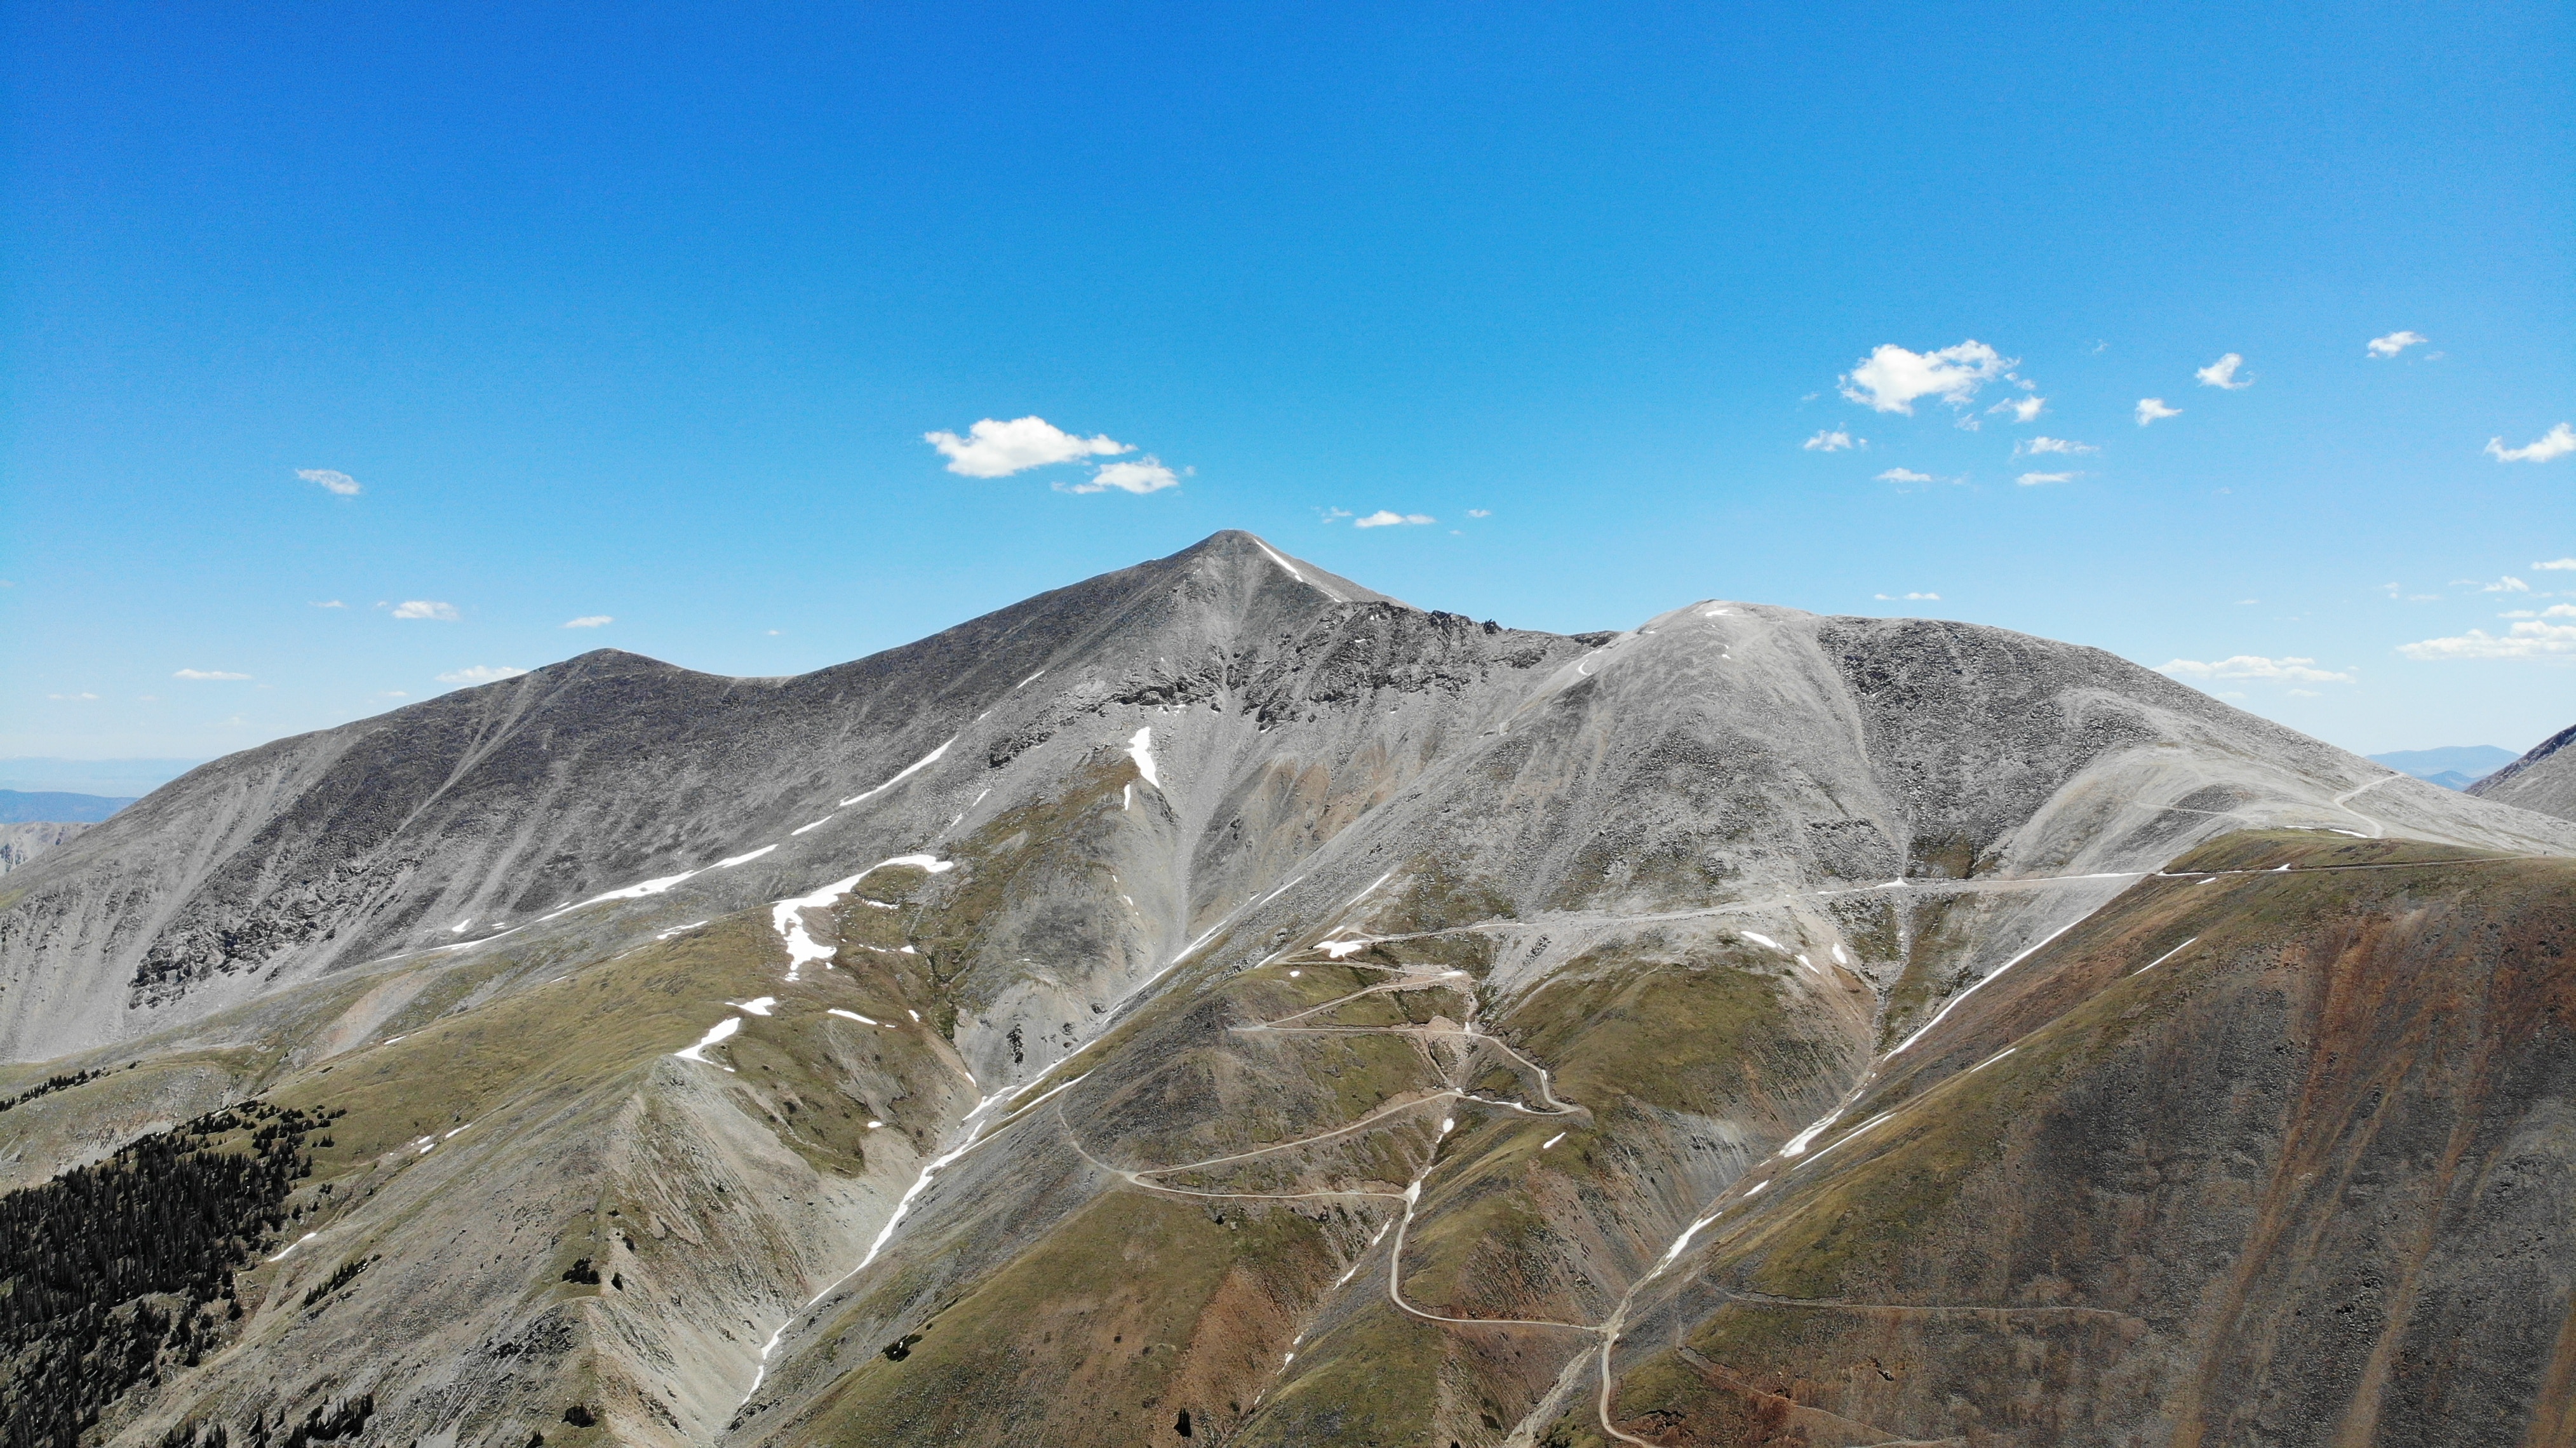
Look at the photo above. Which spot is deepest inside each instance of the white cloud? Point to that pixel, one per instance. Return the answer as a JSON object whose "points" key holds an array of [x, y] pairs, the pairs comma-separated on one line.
{"points": [[2033, 480], [2396, 342], [2153, 409], [2528, 640], [425, 608], [993, 449], [2222, 373], [2305, 694], [2555, 565], [1384, 519], [340, 483], [330, 603], [2023, 409], [2254, 666], [1148, 476], [206, 674], [1910, 597], [480, 674], [2052, 445], [590, 620], [2558, 442], [72, 698], [1488, 512], [2506, 584], [1905, 475], [393, 694], [1892, 379], [1832, 440]]}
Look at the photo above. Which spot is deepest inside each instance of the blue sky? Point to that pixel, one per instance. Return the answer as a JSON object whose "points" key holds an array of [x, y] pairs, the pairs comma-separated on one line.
{"points": [[643, 314]]}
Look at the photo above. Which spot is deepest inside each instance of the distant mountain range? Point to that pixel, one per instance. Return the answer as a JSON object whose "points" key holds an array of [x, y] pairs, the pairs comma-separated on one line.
{"points": [[1217, 1003], [20, 807], [2455, 766]]}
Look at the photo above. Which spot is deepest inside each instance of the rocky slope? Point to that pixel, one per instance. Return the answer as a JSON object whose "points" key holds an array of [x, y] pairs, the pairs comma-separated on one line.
{"points": [[2543, 780], [22, 843], [1219, 1002]]}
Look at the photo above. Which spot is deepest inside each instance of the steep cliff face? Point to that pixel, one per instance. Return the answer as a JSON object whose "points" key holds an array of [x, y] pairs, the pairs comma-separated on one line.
{"points": [[1217, 1001], [2543, 780]]}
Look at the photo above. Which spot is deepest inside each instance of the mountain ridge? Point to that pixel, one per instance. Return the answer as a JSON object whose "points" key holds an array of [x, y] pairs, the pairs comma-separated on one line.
{"points": [[1213, 988]]}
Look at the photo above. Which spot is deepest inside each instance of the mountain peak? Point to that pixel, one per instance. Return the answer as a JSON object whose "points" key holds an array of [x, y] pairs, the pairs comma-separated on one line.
{"points": [[1238, 548]]}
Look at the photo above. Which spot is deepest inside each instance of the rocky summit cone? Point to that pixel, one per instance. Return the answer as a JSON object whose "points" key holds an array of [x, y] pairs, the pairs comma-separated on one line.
{"points": [[1217, 1001]]}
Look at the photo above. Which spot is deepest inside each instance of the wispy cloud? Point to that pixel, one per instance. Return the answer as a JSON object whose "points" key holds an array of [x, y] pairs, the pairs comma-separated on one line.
{"points": [[73, 698], [2254, 666], [1148, 476], [2023, 409], [336, 482], [2222, 373], [425, 608], [480, 674], [1384, 519], [1892, 379], [590, 620], [2558, 442], [2506, 584], [206, 674], [2395, 342], [1488, 512], [2532, 639], [1833, 439], [330, 603], [995, 449], [2153, 409], [1909, 597], [1908, 475], [2052, 445], [2556, 565], [2033, 480]]}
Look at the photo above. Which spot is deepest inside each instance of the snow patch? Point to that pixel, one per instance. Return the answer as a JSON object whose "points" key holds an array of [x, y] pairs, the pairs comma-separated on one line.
{"points": [[1797, 1145], [909, 770], [816, 825], [1953, 1003], [788, 919], [2168, 955], [1551, 1141], [715, 1033], [758, 1005], [1764, 941], [1141, 749], [742, 859]]}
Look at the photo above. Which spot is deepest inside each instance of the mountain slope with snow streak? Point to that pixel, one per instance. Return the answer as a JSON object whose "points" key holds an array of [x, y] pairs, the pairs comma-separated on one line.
{"points": [[1214, 989]]}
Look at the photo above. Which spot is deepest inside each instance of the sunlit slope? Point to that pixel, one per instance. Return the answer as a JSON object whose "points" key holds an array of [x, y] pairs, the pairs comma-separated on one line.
{"points": [[532, 1200], [487, 808], [1281, 1005], [2259, 1156]]}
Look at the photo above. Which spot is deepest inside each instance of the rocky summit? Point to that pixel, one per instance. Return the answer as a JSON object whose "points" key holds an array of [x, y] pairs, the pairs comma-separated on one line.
{"points": [[1217, 1002]]}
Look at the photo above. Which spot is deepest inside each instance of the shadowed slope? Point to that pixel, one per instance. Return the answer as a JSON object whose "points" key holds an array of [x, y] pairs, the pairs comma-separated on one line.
{"points": [[2542, 780]]}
